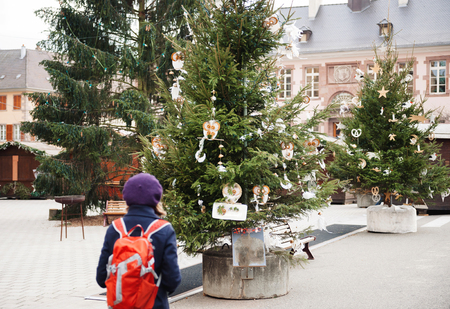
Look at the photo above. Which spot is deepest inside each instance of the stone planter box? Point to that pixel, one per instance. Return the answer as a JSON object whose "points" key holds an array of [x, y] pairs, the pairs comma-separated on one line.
{"points": [[222, 280], [364, 200], [394, 219]]}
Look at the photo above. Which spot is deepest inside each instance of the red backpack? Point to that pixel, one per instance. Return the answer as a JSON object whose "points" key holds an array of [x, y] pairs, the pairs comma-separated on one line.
{"points": [[131, 268]]}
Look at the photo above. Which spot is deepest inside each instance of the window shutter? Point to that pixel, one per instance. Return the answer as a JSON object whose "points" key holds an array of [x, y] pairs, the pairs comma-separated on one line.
{"points": [[17, 102], [2, 103], [9, 132]]}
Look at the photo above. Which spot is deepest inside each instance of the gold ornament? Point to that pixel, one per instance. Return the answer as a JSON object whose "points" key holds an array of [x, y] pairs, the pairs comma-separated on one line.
{"points": [[417, 118], [375, 190]]}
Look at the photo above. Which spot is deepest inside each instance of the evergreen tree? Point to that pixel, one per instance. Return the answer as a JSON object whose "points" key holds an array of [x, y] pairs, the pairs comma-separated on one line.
{"points": [[231, 72], [387, 155], [107, 57]]}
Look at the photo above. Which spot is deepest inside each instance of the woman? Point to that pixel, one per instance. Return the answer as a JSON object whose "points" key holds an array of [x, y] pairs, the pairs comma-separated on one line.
{"points": [[142, 194]]}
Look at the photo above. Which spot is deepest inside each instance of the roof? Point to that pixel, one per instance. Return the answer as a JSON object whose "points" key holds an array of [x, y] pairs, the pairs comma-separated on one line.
{"points": [[337, 28], [38, 148], [33, 76]]}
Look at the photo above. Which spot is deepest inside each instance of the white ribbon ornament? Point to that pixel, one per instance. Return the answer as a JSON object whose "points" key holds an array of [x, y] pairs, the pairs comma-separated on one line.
{"points": [[197, 154]]}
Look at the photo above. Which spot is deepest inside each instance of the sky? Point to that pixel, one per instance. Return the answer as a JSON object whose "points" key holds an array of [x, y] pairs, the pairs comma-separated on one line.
{"points": [[25, 28]]}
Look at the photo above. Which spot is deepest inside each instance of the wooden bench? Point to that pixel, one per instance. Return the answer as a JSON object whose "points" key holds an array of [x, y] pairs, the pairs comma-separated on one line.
{"points": [[288, 240], [114, 208]]}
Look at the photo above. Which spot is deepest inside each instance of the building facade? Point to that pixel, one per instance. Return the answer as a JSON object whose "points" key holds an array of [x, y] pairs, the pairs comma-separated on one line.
{"points": [[20, 73], [342, 37]]}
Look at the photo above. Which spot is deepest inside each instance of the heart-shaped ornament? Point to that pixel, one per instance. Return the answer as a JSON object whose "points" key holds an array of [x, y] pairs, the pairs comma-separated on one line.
{"points": [[210, 129], [232, 193]]}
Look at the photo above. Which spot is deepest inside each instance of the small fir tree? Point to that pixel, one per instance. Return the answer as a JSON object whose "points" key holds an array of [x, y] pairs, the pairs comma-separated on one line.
{"points": [[107, 56], [230, 81], [387, 154]]}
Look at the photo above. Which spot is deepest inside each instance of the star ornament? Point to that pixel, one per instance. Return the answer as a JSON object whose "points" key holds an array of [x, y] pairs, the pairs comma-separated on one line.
{"points": [[417, 118], [383, 92], [376, 68]]}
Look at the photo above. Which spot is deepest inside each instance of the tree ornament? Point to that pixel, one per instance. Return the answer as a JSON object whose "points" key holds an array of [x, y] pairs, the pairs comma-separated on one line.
{"points": [[261, 191], [232, 193], [272, 23], [210, 129], [393, 119], [287, 185], [158, 148], [382, 92], [407, 104], [417, 118], [376, 68], [356, 132], [198, 153], [287, 150], [375, 194], [359, 76], [363, 163], [178, 60], [414, 139], [418, 149], [433, 157], [392, 137], [306, 99]]}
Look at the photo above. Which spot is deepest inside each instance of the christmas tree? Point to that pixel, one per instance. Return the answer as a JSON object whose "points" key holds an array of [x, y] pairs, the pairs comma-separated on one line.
{"points": [[108, 56], [387, 155], [226, 134]]}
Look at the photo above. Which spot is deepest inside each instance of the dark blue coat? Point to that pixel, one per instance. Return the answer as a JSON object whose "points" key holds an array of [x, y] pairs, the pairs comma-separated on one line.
{"points": [[165, 251]]}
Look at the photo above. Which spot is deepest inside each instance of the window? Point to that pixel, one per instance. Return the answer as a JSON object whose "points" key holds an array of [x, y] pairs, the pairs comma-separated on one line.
{"points": [[312, 79], [16, 132], [285, 83], [17, 102], [2, 102], [2, 132], [401, 67], [437, 76]]}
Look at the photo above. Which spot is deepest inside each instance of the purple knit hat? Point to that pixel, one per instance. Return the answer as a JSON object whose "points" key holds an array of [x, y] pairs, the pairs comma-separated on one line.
{"points": [[142, 189]]}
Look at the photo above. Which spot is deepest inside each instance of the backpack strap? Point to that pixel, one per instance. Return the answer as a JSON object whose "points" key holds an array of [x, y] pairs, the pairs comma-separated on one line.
{"points": [[155, 226], [119, 226]]}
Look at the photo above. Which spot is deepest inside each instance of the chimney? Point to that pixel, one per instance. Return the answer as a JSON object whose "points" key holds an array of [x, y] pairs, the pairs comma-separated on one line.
{"points": [[358, 5], [23, 52], [313, 8]]}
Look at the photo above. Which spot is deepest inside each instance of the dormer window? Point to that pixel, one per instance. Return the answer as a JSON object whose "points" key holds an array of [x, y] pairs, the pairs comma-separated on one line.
{"points": [[306, 34], [385, 27]]}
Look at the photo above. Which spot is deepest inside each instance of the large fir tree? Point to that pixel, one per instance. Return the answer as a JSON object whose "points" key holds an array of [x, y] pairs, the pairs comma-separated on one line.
{"points": [[387, 154], [107, 56], [230, 80]]}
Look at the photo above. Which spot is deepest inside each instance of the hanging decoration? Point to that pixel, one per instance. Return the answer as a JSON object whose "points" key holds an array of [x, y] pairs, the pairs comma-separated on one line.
{"points": [[178, 60], [280, 125], [262, 192], [356, 133], [232, 193], [311, 145], [220, 166], [158, 147], [418, 149], [417, 118], [431, 136], [433, 157], [375, 194], [357, 102], [306, 99], [287, 185], [382, 92], [445, 194], [362, 164], [392, 137], [287, 150], [407, 104], [210, 129], [359, 76], [272, 23], [199, 158], [393, 118]]}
